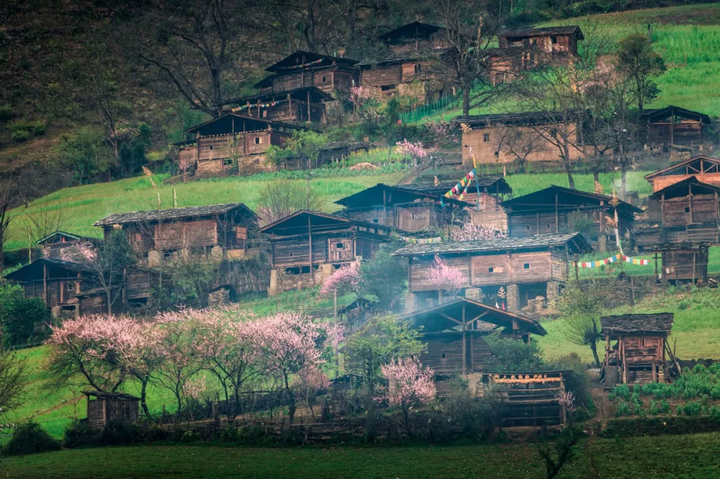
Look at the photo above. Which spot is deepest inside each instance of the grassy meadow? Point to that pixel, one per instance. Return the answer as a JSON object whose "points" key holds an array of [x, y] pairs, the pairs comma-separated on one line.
{"points": [[659, 457]]}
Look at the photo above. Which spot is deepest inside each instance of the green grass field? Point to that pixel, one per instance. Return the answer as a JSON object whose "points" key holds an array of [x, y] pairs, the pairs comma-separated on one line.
{"points": [[685, 456]]}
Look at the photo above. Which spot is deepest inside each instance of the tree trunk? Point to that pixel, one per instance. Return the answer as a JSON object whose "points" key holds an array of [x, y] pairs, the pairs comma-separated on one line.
{"points": [[568, 165], [466, 101], [143, 396], [593, 346]]}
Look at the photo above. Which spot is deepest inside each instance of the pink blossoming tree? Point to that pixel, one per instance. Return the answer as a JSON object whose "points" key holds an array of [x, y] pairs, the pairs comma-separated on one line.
{"points": [[414, 151], [444, 278], [408, 386], [344, 280]]}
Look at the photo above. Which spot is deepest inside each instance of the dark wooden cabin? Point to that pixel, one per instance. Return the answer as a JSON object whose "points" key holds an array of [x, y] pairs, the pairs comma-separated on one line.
{"points": [[402, 207], [686, 211], [673, 125], [455, 334], [557, 210], [61, 244], [216, 145], [414, 37], [103, 407], [640, 352], [704, 168], [304, 69], [524, 267], [544, 45], [683, 262], [216, 230], [498, 138], [308, 245], [301, 104]]}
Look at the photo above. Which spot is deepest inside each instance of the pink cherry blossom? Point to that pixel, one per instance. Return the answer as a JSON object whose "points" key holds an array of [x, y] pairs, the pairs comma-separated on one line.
{"points": [[444, 277], [344, 280], [409, 383], [412, 150]]}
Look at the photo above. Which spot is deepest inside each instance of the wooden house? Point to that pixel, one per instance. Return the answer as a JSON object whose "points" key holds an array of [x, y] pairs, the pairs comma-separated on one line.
{"points": [[304, 69], [506, 137], [544, 45], [402, 207], [455, 333], [305, 104], [231, 143], [686, 211], [61, 244], [636, 348], [414, 37], [679, 261], [216, 231], [103, 407], [524, 267], [556, 209], [330, 154], [705, 169], [673, 125], [307, 246]]}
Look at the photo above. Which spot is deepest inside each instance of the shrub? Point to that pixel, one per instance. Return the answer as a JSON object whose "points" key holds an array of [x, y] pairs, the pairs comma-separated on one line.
{"points": [[251, 435], [229, 434], [39, 128], [118, 432], [623, 409], [21, 319], [692, 408], [622, 392], [20, 136], [30, 438], [6, 113], [190, 436], [80, 434], [515, 356]]}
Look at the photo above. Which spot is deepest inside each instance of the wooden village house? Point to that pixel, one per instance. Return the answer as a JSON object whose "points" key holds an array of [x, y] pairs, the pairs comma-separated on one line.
{"points": [[525, 268], [684, 212], [674, 126], [306, 104], [308, 246], [215, 231], [508, 137], [562, 210], [636, 348], [304, 69], [414, 37], [704, 168], [231, 143], [455, 334], [64, 245], [103, 407]]}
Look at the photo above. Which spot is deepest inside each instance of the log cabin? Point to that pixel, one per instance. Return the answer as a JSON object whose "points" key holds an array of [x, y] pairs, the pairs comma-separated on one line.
{"points": [[548, 45], [403, 208], [308, 246], [505, 138], [215, 231], [301, 105], [673, 125], [231, 143], [640, 352], [103, 407], [561, 210], [680, 262], [64, 245], [525, 268], [414, 37], [686, 211], [704, 168], [304, 69]]}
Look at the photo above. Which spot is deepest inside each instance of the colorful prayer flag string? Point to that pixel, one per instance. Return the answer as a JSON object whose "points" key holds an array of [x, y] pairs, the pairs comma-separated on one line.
{"points": [[612, 259]]}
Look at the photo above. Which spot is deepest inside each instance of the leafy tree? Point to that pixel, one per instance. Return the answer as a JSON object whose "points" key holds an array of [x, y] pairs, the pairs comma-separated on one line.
{"points": [[20, 316], [85, 154], [384, 276], [409, 385], [581, 306], [560, 453], [513, 356], [638, 63], [110, 264], [304, 144]]}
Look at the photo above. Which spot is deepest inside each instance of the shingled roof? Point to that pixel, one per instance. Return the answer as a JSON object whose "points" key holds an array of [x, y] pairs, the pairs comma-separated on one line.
{"points": [[576, 241], [568, 198], [636, 323], [537, 32], [682, 189], [173, 214], [445, 186], [522, 119]]}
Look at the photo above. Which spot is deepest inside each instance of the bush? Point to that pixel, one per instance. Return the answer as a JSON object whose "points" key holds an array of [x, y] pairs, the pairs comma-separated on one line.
{"points": [[190, 436], [692, 408], [513, 356], [80, 434], [30, 438], [20, 136], [6, 113], [118, 433], [39, 128], [22, 320]]}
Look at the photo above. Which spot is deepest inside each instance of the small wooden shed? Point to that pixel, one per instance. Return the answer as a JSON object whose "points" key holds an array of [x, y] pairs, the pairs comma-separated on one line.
{"points": [[102, 407], [704, 168], [636, 348], [673, 125]]}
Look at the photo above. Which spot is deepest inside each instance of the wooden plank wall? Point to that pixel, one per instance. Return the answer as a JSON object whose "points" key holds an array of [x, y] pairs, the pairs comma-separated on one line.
{"points": [[660, 182], [680, 265], [381, 76], [415, 218], [373, 215], [182, 234], [643, 349], [449, 345], [419, 268]]}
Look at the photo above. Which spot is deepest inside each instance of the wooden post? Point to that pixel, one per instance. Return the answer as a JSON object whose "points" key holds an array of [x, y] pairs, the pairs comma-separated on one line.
{"points": [[624, 362], [557, 217], [464, 345], [45, 284], [384, 202], [694, 262], [308, 106], [690, 202], [662, 207], [310, 261]]}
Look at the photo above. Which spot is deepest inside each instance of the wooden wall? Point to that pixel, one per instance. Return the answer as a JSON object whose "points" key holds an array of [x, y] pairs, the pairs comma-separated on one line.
{"points": [[684, 211], [444, 352], [523, 224], [643, 349], [683, 133], [379, 76], [684, 265], [373, 214], [183, 234], [660, 182]]}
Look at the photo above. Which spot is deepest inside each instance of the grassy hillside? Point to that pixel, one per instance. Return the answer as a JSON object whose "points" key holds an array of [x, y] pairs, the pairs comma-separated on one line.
{"points": [[659, 457]]}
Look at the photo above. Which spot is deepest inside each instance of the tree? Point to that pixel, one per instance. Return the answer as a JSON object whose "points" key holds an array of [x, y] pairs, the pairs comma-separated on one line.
{"points": [[13, 192], [20, 317], [13, 376], [201, 48], [445, 278], [85, 154], [110, 264], [514, 356], [409, 385], [281, 198], [561, 453], [581, 306], [638, 63], [384, 276], [465, 63], [414, 151], [192, 277], [517, 143], [43, 223]]}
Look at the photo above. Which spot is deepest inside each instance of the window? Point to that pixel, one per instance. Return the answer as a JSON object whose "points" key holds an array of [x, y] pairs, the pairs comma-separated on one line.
{"points": [[211, 147], [70, 286], [553, 39], [486, 137], [526, 266], [443, 355], [418, 68], [258, 140], [387, 87], [687, 209], [227, 161], [375, 220], [491, 270], [323, 79], [339, 246], [290, 254]]}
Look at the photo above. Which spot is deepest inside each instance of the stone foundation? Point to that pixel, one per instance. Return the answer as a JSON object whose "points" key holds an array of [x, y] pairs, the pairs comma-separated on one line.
{"points": [[513, 297], [475, 294], [553, 292]]}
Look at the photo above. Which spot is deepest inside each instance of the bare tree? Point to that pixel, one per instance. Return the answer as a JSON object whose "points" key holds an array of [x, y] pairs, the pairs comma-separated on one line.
{"points": [[41, 224], [12, 193], [110, 264], [284, 197], [13, 374], [517, 143], [465, 60]]}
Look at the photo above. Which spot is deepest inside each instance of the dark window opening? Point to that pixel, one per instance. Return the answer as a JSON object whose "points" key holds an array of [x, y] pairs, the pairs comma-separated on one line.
{"points": [[526, 266], [339, 246], [375, 220], [687, 209], [258, 140], [553, 39], [443, 355], [486, 137], [211, 147], [387, 87], [491, 270], [323, 79], [227, 161], [418, 68]]}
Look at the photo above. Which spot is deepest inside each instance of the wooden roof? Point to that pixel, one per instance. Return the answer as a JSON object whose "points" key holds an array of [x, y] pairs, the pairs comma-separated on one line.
{"points": [[512, 119], [173, 214], [316, 96], [682, 189], [669, 111], [435, 319], [223, 125], [410, 31], [576, 242], [301, 59], [65, 234], [690, 166], [492, 183], [298, 222], [541, 32], [403, 194], [56, 269], [568, 198], [638, 323], [106, 395]]}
